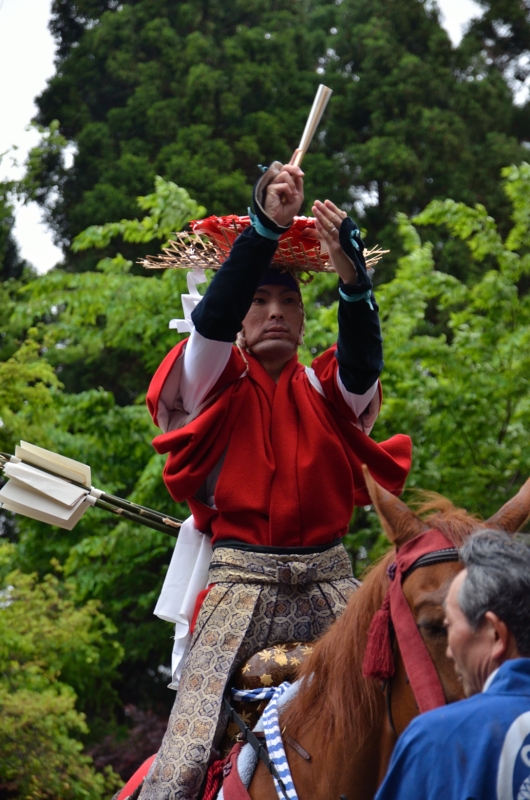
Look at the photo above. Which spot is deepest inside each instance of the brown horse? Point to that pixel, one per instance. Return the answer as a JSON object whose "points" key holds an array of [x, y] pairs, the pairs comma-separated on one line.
{"points": [[345, 722]]}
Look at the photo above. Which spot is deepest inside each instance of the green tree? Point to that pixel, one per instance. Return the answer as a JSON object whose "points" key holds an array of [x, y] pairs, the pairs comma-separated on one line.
{"points": [[26, 381], [200, 93], [503, 32], [457, 357], [502, 37], [455, 380], [48, 646], [91, 341], [413, 118], [169, 209], [11, 264]]}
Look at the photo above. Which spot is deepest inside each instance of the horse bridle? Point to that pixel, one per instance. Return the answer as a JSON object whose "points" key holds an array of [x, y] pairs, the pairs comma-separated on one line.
{"points": [[427, 560], [430, 559]]}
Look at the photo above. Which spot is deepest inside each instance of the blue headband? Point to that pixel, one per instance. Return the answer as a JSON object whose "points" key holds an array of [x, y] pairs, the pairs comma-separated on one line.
{"points": [[273, 277]]}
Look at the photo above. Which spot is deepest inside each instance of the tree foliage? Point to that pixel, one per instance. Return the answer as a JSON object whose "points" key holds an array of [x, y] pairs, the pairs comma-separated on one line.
{"points": [[456, 357], [169, 209], [50, 648], [200, 93], [169, 95], [503, 31], [415, 119], [11, 264], [455, 379]]}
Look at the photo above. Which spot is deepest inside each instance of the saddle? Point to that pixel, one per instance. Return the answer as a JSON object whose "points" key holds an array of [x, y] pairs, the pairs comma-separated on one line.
{"points": [[269, 667]]}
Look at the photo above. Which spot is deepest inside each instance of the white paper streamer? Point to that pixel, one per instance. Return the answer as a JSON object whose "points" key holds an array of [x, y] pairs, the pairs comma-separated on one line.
{"points": [[186, 577], [189, 301]]}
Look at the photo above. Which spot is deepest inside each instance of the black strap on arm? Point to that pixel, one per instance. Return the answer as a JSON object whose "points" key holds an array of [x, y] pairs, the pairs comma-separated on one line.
{"points": [[359, 344]]}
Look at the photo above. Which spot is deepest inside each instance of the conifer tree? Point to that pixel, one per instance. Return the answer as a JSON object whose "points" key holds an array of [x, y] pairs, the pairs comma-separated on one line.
{"points": [[202, 92], [11, 264], [501, 35], [416, 119], [503, 32]]}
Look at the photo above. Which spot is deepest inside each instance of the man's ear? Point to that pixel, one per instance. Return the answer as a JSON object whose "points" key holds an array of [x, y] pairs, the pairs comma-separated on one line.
{"points": [[504, 646]]}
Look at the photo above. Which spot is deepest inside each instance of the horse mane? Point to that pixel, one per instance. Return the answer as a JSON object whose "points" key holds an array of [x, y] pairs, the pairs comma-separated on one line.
{"points": [[438, 512], [332, 691]]}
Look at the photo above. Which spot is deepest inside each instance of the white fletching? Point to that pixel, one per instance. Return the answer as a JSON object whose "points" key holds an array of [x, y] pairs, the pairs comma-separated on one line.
{"points": [[48, 485], [42, 496], [53, 462]]}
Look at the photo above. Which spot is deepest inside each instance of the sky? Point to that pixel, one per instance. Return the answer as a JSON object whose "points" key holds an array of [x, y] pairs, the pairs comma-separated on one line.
{"points": [[26, 62]]}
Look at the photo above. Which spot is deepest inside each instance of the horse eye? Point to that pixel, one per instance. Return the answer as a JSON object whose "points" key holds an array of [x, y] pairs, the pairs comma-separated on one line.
{"points": [[433, 629]]}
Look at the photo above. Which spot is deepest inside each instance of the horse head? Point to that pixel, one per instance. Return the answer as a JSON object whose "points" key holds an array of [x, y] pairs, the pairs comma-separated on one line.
{"points": [[344, 719], [426, 541]]}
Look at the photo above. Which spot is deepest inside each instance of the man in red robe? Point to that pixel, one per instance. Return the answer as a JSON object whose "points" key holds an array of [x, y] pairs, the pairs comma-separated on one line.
{"points": [[268, 453]]}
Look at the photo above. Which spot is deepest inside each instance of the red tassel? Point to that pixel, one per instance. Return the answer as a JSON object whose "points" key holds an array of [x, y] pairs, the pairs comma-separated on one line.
{"points": [[378, 659], [214, 779]]}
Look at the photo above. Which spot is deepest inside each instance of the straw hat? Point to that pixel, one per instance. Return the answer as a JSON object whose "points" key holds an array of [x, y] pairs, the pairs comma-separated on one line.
{"points": [[208, 244]]}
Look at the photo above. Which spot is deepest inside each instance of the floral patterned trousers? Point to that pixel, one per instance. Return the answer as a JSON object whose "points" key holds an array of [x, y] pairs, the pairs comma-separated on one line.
{"points": [[258, 600]]}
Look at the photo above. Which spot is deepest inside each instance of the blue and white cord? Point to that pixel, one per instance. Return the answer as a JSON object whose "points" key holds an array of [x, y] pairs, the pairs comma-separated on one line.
{"points": [[273, 736], [253, 695]]}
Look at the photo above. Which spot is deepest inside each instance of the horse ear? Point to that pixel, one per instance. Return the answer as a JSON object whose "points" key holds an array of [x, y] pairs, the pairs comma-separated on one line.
{"points": [[399, 523], [514, 513]]}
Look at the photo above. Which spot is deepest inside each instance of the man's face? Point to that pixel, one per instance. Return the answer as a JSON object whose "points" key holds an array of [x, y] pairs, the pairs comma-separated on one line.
{"points": [[273, 323], [470, 650]]}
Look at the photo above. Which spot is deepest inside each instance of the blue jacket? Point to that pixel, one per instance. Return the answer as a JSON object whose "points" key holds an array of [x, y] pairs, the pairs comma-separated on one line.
{"points": [[476, 749]]}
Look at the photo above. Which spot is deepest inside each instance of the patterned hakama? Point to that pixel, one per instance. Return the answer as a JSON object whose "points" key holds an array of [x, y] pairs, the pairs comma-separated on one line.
{"points": [[258, 600]]}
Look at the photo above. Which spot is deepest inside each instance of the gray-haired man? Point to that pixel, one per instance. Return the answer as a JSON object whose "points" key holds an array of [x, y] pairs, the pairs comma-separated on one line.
{"points": [[479, 748]]}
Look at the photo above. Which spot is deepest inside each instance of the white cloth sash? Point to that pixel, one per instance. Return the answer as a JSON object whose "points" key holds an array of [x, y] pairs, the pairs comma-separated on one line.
{"points": [[186, 577]]}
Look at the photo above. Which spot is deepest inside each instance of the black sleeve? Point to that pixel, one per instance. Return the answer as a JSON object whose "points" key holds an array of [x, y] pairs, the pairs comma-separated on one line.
{"points": [[221, 312], [359, 344]]}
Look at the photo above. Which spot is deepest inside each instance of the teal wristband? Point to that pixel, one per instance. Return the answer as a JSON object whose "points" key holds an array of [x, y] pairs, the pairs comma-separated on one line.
{"points": [[261, 229], [354, 298], [352, 239]]}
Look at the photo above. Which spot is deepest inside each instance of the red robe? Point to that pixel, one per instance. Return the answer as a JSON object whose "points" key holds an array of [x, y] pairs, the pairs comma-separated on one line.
{"points": [[292, 469]]}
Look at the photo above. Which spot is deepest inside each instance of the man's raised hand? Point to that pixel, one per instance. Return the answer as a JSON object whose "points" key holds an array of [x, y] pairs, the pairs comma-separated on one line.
{"points": [[328, 221], [285, 195]]}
